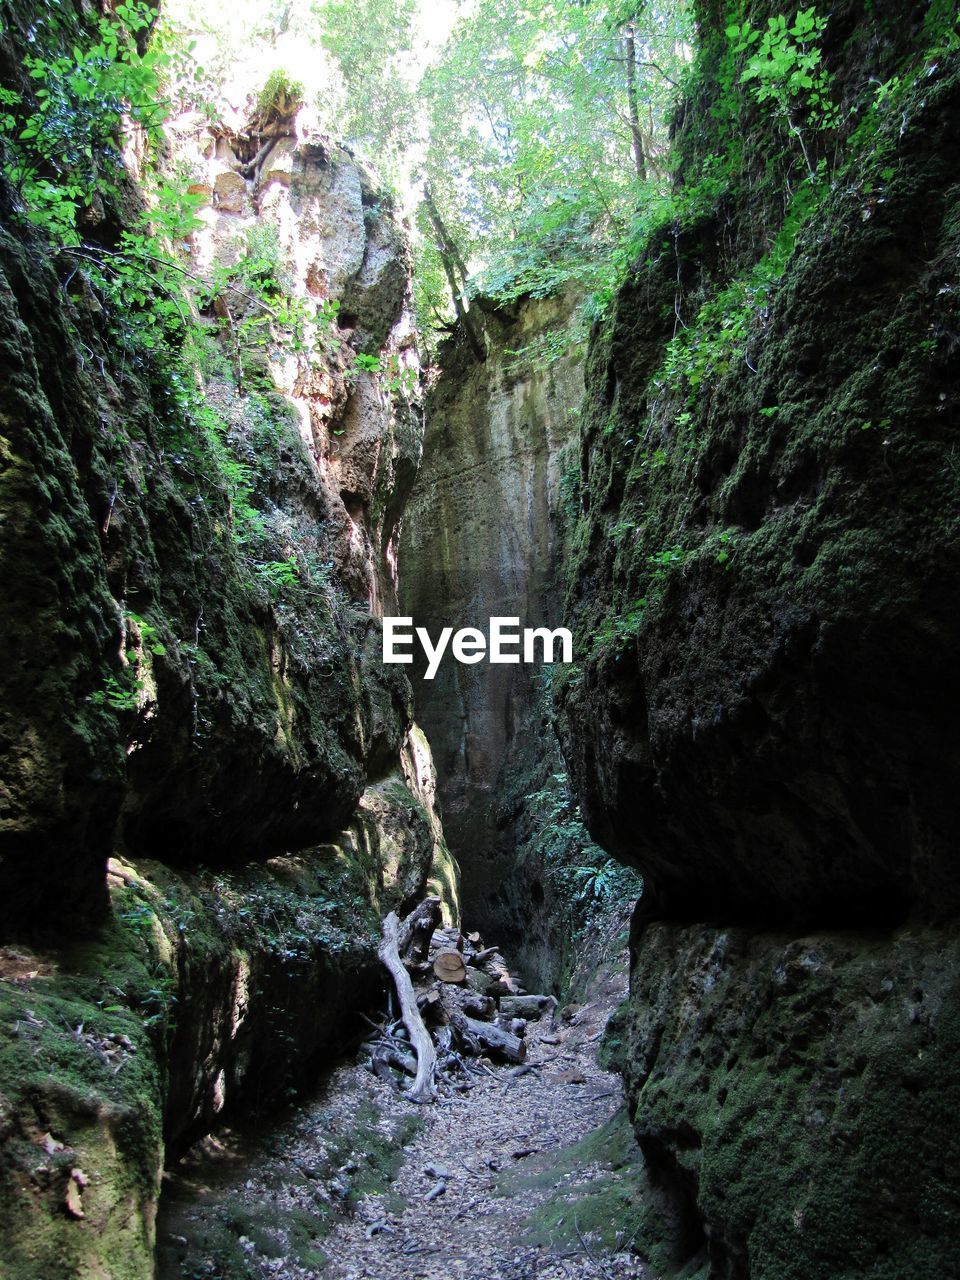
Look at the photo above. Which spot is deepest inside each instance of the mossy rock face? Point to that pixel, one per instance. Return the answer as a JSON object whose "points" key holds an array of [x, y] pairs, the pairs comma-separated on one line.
{"points": [[205, 995], [795, 1101], [60, 757], [765, 588], [190, 666], [256, 719], [765, 594], [81, 1132], [191, 687]]}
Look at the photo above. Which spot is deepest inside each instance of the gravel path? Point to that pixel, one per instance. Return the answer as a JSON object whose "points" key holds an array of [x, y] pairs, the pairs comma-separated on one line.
{"points": [[498, 1153], [509, 1181]]}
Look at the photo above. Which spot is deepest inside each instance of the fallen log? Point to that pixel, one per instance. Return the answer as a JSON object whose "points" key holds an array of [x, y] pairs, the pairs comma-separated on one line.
{"points": [[460, 999], [502, 985], [449, 967], [468, 1043], [449, 937], [529, 1007], [423, 1088], [434, 1011], [389, 1056], [492, 1039], [381, 1069], [478, 1006], [416, 931]]}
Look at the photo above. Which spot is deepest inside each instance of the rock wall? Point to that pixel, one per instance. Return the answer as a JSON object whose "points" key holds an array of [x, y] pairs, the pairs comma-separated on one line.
{"points": [[205, 994], [483, 537], [259, 719], [211, 786], [793, 1096], [301, 196], [766, 589]]}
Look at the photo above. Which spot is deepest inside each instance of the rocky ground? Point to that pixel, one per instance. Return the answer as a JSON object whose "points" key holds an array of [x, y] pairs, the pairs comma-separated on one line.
{"points": [[528, 1174]]}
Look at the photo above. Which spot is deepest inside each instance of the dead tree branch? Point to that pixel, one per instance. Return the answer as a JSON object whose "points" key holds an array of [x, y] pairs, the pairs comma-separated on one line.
{"points": [[423, 1088]]}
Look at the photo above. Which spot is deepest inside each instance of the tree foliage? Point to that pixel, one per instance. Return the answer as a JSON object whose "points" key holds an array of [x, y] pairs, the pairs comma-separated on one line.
{"points": [[60, 142], [546, 131], [367, 40], [539, 130], [526, 144]]}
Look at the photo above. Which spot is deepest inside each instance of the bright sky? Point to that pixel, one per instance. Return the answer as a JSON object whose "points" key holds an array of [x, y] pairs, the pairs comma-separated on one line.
{"points": [[436, 18], [232, 36], [229, 27]]}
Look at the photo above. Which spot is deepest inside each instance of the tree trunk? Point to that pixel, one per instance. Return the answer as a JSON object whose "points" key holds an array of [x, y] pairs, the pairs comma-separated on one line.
{"points": [[633, 109], [452, 264]]}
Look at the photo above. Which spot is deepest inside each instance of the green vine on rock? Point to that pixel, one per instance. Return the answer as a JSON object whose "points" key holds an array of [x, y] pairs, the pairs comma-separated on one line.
{"points": [[63, 155], [785, 68]]}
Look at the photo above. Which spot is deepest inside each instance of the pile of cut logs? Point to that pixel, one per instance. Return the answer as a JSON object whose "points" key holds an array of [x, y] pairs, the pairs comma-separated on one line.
{"points": [[458, 1005]]}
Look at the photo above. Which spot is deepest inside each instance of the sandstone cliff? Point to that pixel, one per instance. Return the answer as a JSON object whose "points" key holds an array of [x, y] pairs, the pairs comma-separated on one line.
{"points": [[485, 537]]}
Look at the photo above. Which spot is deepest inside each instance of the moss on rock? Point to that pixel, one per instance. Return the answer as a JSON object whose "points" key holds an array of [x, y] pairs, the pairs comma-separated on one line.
{"points": [[764, 593], [205, 993], [793, 1099], [191, 686]]}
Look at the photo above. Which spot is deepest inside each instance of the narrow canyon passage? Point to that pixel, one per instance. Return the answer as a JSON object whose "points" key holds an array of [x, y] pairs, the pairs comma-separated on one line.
{"points": [[637, 324], [531, 1174]]}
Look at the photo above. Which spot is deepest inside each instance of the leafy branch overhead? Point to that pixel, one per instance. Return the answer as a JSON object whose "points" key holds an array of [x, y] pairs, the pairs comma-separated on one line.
{"points": [[546, 131]]}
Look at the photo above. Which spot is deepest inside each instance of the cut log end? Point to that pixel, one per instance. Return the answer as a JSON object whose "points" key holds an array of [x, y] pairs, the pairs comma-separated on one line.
{"points": [[449, 966]]}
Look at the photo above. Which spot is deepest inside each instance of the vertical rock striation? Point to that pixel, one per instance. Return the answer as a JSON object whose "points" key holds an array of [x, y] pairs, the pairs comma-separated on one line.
{"points": [[484, 538]]}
